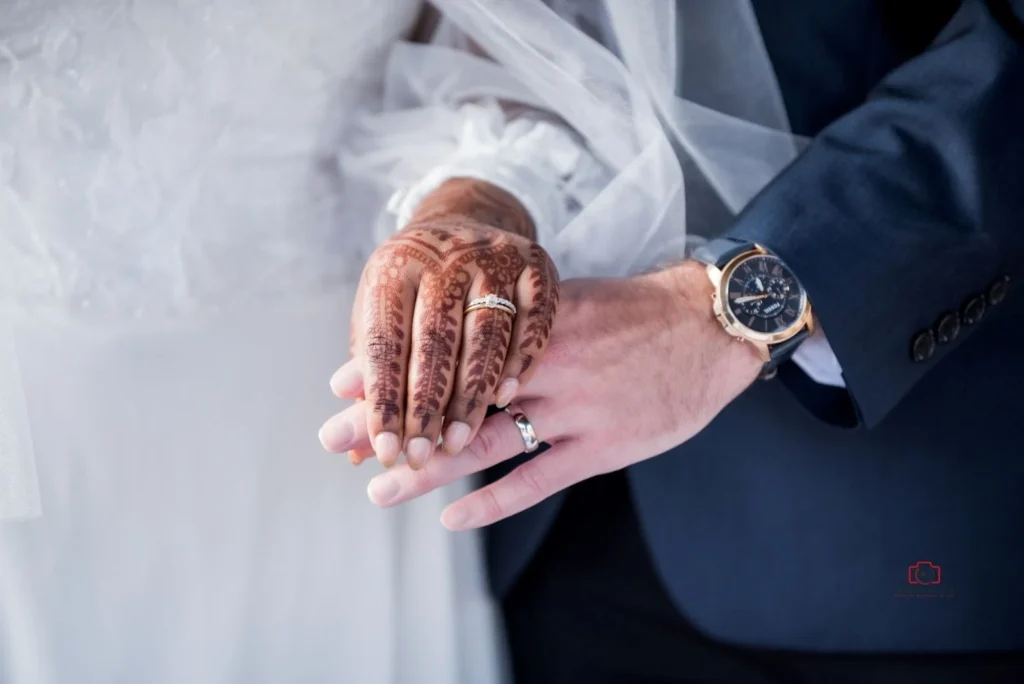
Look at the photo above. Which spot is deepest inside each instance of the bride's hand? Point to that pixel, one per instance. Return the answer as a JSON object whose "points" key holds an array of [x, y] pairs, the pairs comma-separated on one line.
{"points": [[418, 359]]}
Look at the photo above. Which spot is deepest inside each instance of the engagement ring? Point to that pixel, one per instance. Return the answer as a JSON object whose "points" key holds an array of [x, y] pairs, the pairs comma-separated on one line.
{"points": [[491, 301]]}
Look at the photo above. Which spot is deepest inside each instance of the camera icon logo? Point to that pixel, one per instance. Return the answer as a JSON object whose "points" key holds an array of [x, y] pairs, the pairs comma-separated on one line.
{"points": [[924, 572]]}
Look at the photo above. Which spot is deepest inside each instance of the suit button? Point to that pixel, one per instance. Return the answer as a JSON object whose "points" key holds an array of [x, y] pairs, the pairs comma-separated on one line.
{"points": [[974, 310], [948, 327], [997, 290], [923, 346]]}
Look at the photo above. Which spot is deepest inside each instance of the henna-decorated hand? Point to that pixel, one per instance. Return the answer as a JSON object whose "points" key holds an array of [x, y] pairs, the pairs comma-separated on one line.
{"points": [[418, 360], [636, 366]]}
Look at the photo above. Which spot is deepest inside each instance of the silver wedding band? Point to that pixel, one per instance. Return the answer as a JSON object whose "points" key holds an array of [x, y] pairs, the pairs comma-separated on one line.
{"points": [[491, 301], [529, 435]]}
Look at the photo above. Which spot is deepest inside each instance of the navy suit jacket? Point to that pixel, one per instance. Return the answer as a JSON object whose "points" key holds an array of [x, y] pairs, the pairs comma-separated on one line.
{"points": [[796, 519]]}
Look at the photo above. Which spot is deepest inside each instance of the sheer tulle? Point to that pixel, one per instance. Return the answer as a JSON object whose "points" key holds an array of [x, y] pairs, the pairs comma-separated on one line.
{"points": [[729, 122]]}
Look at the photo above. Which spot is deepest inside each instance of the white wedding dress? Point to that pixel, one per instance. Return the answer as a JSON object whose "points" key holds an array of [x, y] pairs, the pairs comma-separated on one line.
{"points": [[177, 256]]}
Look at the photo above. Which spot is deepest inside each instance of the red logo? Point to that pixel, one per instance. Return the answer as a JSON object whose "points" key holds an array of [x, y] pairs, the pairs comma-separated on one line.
{"points": [[924, 572]]}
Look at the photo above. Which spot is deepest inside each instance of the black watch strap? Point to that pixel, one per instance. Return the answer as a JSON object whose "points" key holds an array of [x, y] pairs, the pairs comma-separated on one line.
{"points": [[781, 352], [721, 251]]}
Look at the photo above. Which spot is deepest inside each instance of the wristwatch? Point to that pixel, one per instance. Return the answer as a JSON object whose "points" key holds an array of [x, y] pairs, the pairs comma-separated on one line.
{"points": [[757, 298]]}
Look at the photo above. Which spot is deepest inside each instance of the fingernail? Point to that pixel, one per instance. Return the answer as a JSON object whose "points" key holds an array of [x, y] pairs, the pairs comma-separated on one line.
{"points": [[507, 392], [382, 489], [455, 437], [387, 447], [337, 435], [347, 379], [455, 518], [418, 451]]}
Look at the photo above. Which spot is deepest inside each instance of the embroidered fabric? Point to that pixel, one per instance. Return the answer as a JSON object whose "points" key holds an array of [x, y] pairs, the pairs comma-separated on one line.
{"points": [[161, 158]]}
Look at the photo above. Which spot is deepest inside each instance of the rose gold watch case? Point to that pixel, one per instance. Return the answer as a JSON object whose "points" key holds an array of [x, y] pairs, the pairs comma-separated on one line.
{"points": [[762, 341]]}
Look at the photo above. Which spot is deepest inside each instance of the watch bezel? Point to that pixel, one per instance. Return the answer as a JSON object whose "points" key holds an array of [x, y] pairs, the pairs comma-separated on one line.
{"points": [[720, 278]]}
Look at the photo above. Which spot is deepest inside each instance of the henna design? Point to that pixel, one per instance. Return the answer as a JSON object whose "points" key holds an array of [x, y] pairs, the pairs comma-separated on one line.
{"points": [[385, 348], [492, 330], [437, 346], [541, 314], [502, 266], [481, 202], [490, 336], [451, 242]]}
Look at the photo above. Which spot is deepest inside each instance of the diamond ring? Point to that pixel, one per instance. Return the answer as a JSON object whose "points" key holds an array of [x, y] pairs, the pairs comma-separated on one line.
{"points": [[491, 301]]}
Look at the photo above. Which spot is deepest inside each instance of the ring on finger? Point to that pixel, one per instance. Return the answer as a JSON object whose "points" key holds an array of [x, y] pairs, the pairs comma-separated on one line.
{"points": [[530, 441], [491, 301]]}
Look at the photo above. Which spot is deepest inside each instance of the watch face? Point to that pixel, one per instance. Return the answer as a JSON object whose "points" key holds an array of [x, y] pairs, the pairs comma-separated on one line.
{"points": [[764, 296]]}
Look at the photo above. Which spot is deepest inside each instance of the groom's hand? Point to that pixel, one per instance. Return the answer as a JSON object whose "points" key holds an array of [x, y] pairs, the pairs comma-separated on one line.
{"points": [[635, 367], [419, 360]]}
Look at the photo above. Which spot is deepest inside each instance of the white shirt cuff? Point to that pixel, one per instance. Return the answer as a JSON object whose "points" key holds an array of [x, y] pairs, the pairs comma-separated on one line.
{"points": [[816, 358]]}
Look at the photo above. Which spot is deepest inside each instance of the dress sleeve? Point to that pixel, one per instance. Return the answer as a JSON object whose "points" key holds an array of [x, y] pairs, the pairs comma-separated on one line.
{"points": [[538, 160]]}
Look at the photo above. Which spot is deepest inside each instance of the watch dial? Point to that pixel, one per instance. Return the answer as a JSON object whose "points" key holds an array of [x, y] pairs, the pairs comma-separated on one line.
{"points": [[764, 295]]}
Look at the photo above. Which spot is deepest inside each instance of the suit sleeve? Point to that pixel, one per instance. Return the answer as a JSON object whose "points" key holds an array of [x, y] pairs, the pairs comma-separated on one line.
{"points": [[910, 206]]}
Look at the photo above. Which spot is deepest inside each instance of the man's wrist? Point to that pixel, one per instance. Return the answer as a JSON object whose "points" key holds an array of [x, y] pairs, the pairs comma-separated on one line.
{"points": [[732, 360], [480, 201]]}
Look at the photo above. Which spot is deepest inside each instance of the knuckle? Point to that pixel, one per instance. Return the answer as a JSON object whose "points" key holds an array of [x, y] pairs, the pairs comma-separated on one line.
{"points": [[458, 406], [463, 404], [422, 481], [533, 479], [517, 363], [381, 347], [483, 447], [492, 507], [489, 333], [435, 344], [423, 416]]}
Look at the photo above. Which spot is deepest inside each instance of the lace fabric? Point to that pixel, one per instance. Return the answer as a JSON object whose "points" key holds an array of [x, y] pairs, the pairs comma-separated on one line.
{"points": [[160, 158]]}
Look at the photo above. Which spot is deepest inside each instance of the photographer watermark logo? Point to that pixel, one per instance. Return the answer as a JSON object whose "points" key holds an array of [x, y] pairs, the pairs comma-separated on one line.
{"points": [[924, 580]]}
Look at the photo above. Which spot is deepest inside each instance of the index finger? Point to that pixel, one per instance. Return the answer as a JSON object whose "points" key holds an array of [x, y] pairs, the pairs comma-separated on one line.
{"points": [[562, 466]]}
